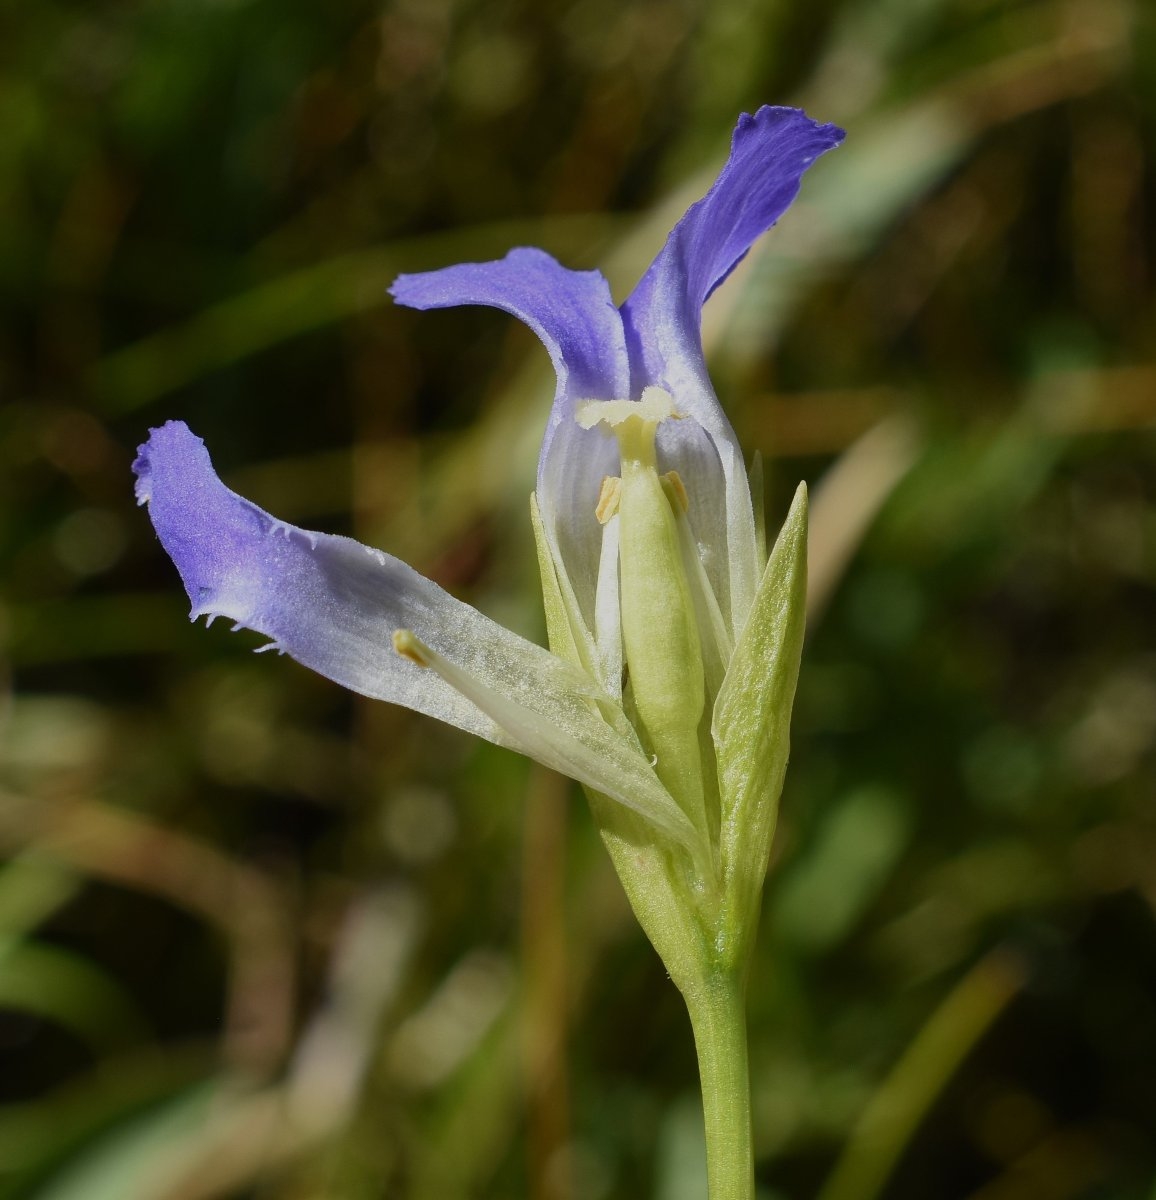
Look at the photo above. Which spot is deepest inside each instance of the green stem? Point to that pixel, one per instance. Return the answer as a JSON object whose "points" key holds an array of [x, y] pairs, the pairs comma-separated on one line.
{"points": [[718, 1017]]}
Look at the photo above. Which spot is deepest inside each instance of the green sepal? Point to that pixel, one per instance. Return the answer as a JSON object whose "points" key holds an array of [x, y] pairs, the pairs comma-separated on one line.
{"points": [[559, 622], [751, 729], [656, 884]]}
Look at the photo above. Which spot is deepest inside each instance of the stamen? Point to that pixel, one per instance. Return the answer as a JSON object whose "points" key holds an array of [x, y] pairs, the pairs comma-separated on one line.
{"points": [[609, 496], [675, 491], [408, 646]]}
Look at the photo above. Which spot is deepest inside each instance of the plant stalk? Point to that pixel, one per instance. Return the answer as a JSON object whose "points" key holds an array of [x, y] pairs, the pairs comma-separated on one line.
{"points": [[718, 1017]]}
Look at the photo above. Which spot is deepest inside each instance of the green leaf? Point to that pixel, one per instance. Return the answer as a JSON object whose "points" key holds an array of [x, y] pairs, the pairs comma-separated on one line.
{"points": [[41, 1138], [752, 724], [58, 985], [148, 1155], [33, 887]]}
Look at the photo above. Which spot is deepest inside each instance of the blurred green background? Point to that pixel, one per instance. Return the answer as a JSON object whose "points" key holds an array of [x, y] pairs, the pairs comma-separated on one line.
{"points": [[262, 939]]}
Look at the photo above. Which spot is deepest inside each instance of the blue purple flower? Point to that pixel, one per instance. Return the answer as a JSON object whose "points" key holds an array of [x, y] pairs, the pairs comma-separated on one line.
{"points": [[373, 624]]}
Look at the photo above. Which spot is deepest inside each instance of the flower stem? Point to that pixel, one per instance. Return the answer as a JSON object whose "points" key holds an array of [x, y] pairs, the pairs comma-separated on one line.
{"points": [[718, 1017]]}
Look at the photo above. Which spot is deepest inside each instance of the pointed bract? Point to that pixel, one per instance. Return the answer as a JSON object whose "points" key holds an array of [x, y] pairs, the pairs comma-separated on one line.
{"points": [[751, 726]]}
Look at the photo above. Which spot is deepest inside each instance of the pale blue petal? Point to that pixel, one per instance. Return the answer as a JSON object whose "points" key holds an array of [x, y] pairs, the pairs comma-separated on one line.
{"points": [[334, 605], [574, 316], [769, 154], [684, 446], [329, 602]]}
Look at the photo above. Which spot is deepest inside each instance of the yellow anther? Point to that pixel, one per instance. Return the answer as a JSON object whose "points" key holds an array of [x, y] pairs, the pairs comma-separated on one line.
{"points": [[675, 491], [609, 496], [409, 647]]}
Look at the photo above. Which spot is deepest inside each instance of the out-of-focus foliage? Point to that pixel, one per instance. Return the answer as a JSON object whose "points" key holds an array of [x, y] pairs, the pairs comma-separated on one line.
{"points": [[262, 939]]}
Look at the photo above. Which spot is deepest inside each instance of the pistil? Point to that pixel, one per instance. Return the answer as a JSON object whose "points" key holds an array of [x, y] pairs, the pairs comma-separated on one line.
{"points": [[659, 623]]}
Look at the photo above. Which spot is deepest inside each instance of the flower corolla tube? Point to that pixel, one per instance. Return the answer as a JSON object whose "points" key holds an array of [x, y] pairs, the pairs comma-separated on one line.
{"points": [[659, 690]]}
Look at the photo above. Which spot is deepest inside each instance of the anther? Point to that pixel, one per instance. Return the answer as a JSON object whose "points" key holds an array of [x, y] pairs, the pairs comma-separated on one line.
{"points": [[409, 647], [609, 496], [675, 491]]}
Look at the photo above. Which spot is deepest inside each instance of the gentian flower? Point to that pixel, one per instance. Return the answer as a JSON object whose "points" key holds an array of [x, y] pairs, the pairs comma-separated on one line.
{"points": [[667, 690]]}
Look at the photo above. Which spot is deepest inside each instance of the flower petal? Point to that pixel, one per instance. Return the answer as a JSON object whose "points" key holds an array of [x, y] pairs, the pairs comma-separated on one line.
{"points": [[334, 605], [686, 447], [570, 311], [769, 154], [574, 316]]}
